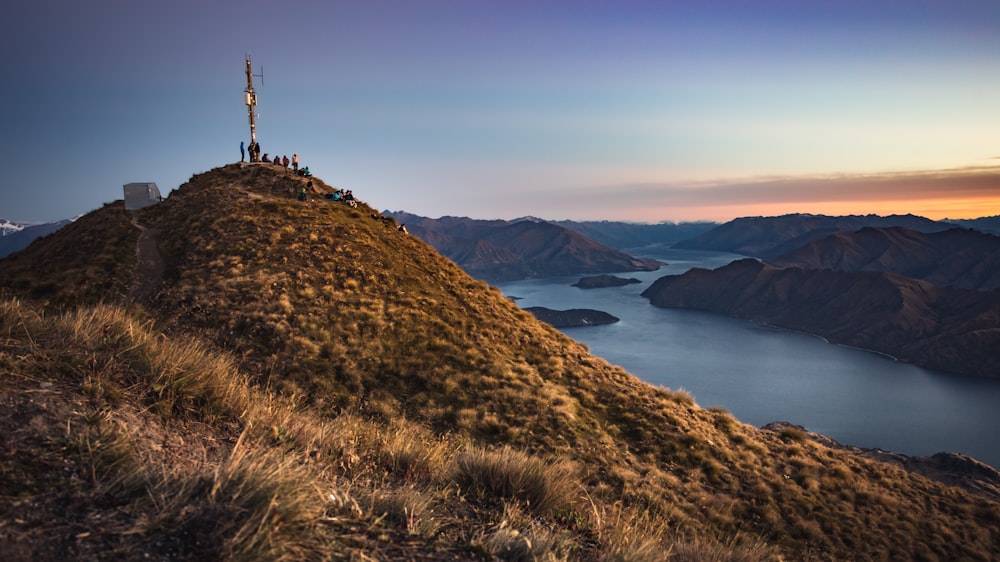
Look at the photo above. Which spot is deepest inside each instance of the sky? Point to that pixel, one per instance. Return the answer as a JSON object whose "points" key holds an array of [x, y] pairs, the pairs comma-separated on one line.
{"points": [[588, 110]]}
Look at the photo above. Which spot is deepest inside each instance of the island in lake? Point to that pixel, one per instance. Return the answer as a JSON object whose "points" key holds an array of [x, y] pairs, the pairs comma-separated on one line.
{"points": [[600, 281], [572, 318]]}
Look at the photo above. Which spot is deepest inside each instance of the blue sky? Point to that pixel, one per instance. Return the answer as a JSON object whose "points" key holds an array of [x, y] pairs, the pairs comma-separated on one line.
{"points": [[644, 111]]}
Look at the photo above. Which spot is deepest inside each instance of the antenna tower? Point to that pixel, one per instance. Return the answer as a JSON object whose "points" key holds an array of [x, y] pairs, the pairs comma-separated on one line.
{"points": [[250, 98]]}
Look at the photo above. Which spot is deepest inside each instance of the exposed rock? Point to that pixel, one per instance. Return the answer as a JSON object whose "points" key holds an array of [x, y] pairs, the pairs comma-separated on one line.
{"points": [[572, 318], [601, 281]]}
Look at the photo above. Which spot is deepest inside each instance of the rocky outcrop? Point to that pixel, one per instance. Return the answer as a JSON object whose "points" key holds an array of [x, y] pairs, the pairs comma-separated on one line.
{"points": [[572, 318], [601, 281]]}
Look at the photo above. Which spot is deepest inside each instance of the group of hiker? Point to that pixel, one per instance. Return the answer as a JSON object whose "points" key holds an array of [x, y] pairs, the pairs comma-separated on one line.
{"points": [[345, 196], [342, 195], [387, 220], [255, 156]]}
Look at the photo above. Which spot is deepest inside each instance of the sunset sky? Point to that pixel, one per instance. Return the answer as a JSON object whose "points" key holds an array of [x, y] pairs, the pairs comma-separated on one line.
{"points": [[642, 111]]}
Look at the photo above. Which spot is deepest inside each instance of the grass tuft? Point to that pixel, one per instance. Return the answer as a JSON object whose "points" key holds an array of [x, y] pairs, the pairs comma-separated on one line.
{"points": [[508, 473]]}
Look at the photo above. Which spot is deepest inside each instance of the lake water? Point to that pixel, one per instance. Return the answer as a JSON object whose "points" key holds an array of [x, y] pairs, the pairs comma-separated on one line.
{"points": [[763, 374]]}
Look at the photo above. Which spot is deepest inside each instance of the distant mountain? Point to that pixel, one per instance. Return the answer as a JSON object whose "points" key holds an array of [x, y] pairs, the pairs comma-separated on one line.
{"points": [[948, 329], [9, 227], [16, 236], [765, 237], [989, 225], [498, 250], [622, 235], [955, 257]]}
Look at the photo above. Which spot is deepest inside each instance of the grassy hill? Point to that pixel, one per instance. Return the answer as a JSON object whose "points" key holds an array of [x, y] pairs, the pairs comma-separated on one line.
{"points": [[300, 380]]}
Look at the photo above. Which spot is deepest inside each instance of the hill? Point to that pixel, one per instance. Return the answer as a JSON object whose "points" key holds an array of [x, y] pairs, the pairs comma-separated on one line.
{"points": [[954, 257], [948, 329], [236, 374], [499, 250], [766, 237]]}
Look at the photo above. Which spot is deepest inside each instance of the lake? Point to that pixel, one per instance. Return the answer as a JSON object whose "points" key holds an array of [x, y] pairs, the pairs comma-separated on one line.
{"points": [[762, 374]]}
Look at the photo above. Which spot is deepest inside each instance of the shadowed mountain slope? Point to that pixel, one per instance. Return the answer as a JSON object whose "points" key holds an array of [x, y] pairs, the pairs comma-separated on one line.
{"points": [[955, 257], [766, 237], [304, 381]]}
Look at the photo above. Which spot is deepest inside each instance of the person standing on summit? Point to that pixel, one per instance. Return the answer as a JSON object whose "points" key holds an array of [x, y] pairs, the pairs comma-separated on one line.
{"points": [[243, 152], [295, 163]]}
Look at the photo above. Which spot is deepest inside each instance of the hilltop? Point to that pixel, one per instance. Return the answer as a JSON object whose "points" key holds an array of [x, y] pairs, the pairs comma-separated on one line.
{"points": [[233, 373]]}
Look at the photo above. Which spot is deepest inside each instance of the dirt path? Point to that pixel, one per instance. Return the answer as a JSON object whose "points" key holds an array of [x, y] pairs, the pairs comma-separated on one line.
{"points": [[148, 265]]}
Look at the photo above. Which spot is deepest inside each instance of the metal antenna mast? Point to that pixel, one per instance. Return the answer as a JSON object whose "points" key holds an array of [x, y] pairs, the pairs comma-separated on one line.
{"points": [[250, 99]]}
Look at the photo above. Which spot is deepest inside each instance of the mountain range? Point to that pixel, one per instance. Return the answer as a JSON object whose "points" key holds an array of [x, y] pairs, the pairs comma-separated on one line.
{"points": [[498, 250], [236, 374], [624, 235], [989, 225], [951, 258], [766, 237]]}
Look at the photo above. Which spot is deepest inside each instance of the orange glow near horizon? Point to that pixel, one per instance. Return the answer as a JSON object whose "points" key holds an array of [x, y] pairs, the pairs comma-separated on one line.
{"points": [[953, 194], [934, 209]]}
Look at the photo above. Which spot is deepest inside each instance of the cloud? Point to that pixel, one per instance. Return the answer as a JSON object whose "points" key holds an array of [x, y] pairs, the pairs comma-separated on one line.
{"points": [[972, 191]]}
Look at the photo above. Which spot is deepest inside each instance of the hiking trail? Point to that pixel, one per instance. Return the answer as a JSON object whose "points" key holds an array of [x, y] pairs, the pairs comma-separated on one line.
{"points": [[149, 264]]}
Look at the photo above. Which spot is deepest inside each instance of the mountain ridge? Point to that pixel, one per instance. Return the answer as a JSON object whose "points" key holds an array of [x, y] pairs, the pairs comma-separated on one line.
{"points": [[954, 257], [767, 237], [294, 347]]}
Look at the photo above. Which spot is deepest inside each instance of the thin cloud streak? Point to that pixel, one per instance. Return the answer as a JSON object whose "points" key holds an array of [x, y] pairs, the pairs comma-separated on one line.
{"points": [[974, 191]]}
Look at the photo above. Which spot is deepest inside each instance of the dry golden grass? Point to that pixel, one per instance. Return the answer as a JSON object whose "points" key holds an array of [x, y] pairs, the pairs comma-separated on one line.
{"points": [[309, 382], [512, 475]]}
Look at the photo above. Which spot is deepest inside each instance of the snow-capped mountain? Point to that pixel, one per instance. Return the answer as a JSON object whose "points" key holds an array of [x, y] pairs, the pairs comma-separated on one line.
{"points": [[8, 227], [16, 236]]}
